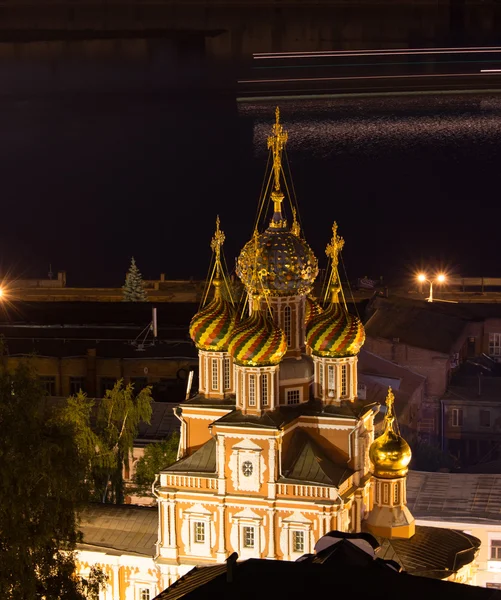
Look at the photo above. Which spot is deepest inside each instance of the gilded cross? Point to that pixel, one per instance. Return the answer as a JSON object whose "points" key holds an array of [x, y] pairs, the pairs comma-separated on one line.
{"points": [[334, 247], [390, 399], [277, 142], [217, 241]]}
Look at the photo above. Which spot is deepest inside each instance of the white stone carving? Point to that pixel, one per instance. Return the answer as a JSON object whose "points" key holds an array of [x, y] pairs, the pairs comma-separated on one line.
{"points": [[247, 466]]}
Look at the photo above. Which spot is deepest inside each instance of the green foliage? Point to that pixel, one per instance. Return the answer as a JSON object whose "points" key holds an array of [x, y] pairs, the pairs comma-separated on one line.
{"points": [[43, 486], [133, 289], [156, 457], [106, 434], [426, 457]]}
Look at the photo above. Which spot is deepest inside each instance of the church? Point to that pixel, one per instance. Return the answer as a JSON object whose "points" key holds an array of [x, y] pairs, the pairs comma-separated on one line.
{"points": [[276, 449]]}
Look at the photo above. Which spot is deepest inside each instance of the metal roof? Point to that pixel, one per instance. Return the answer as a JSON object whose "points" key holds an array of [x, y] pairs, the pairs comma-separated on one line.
{"points": [[463, 497], [120, 529], [202, 460]]}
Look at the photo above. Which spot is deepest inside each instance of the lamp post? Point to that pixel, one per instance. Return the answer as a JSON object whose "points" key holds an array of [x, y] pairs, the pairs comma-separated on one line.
{"points": [[440, 278]]}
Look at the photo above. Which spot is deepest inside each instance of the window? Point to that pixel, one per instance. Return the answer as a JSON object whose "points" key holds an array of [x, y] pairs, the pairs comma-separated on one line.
{"points": [[264, 389], [287, 325], [485, 418], [214, 373], [107, 383], [331, 382], [247, 468], [139, 383], [293, 396], [344, 381], [396, 494], [321, 378], [199, 532], [377, 493], [227, 379], [144, 594], [495, 549], [252, 390], [77, 384], [386, 493], [457, 417], [49, 384], [495, 344], [298, 541], [248, 537]]}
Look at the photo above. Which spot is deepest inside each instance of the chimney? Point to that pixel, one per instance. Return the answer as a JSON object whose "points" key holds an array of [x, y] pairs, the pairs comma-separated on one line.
{"points": [[230, 567]]}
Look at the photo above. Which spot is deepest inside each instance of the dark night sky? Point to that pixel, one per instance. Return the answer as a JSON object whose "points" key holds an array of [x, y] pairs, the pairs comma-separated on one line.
{"points": [[89, 180]]}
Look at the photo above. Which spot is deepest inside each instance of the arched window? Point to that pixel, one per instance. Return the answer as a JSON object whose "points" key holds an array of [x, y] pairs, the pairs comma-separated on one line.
{"points": [[287, 325]]}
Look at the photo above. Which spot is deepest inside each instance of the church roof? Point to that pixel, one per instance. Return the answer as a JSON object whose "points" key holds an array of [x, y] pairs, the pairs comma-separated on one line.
{"points": [[431, 552], [120, 529], [308, 462], [463, 497], [202, 460]]}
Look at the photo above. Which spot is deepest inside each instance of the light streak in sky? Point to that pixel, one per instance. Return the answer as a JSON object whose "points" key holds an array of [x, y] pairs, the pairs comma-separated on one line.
{"points": [[366, 77], [384, 52]]}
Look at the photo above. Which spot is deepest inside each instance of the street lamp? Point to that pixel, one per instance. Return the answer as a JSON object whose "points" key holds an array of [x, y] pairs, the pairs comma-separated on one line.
{"points": [[440, 278]]}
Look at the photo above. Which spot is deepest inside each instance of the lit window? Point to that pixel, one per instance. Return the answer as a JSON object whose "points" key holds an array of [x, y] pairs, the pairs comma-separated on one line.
{"points": [[396, 494], [495, 549], [485, 418], [293, 396], [457, 417], [144, 594], [330, 377], [495, 344], [248, 537], [227, 379], [344, 381], [214, 373], [252, 390], [287, 324], [199, 529], [264, 389], [298, 541]]}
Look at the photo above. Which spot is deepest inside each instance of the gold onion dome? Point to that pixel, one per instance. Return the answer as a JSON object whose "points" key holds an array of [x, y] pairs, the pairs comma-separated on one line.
{"points": [[211, 328], [285, 264], [390, 453], [257, 342], [277, 262]]}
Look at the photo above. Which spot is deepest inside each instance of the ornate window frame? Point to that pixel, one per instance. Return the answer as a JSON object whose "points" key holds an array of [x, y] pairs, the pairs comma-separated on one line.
{"points": [[294, 523], [247, 518], [190, 518]]}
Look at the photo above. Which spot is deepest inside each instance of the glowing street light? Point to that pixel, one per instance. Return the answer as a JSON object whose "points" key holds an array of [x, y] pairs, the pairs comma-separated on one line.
{"points": [[440, 278]]}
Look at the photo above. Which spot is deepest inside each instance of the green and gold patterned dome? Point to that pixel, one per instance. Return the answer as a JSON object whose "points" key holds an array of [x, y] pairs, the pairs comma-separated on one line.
{"points": [[335, 333], [277, 262], [257, 342], [311, 309], [211, 327]]}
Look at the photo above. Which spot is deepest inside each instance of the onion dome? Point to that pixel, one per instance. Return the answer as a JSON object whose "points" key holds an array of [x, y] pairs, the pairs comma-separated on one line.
{"points": [[257, 342], [390, 453], [285, 264], [311, 309], [335, 333], [211, 327]]}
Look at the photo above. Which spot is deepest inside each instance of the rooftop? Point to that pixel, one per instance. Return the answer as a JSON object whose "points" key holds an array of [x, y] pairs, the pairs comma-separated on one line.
{"points": [[462, 497]]}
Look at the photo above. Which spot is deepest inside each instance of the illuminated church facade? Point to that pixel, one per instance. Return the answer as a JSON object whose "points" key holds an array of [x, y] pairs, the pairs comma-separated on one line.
{"points": [[276, 449]]}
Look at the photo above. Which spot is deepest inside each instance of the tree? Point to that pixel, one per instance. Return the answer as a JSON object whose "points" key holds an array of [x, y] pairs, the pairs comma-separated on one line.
{"points": [[43, 488], [133, 289], [157, 456], [106, 433]]}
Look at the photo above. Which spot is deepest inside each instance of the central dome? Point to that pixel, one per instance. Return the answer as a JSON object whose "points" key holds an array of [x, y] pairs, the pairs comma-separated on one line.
{"points": [[277, 262]]}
